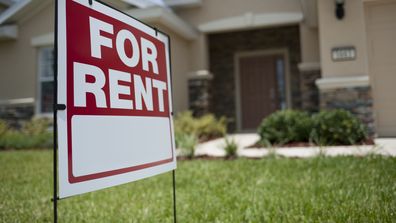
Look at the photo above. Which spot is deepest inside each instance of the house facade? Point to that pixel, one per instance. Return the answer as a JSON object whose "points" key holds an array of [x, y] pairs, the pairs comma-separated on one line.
{"points": [[239, 59]]}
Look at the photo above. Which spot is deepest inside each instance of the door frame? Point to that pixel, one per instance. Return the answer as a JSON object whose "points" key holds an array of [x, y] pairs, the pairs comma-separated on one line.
{"points": [[237, 56]]}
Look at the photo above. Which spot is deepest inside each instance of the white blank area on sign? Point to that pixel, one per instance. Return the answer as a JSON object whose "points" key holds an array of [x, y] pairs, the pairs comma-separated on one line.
{"points": [[105, 143]]}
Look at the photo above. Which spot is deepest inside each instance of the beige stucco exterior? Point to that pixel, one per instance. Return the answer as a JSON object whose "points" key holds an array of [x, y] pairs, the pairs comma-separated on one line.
{"points": [[18, 58], [350, 31], [309, 44]]}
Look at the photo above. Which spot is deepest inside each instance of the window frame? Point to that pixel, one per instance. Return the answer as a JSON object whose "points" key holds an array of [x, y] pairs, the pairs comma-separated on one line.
{"points": [[40, 79]]}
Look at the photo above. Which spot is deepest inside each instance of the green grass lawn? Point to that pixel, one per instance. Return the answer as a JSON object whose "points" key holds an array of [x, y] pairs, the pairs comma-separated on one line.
{"points": [[343, 189]]}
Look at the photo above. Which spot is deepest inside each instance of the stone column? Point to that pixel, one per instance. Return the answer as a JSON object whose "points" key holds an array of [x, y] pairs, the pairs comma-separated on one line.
{"points": [[350, 93], [15, 114], [199, 84], [309, 73]]}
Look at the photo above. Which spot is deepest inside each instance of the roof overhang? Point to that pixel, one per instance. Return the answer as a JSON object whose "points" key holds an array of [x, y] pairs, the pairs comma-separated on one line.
{"points": [[8, 32], [22, 11], [6, 2], [14, 12], [183, 3], [165, 3], [167, 18], [250, 21]]}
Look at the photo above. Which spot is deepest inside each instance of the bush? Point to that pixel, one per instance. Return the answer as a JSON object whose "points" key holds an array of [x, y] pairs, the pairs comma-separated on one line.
{"points": [[33, 134], [334, 127], [230, 147], [337, 127], [285, 126], [187, 144], [204, 128], [3, 128]]}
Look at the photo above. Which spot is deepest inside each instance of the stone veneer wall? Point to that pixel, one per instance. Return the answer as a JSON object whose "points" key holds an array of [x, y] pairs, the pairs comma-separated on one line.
{"points": [[16, 115], [357, 100], [199, 95], [309, 90], [224, 46]]}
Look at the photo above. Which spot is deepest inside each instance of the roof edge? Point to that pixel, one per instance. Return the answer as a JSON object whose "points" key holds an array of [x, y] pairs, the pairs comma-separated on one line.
{"points": [[166, 18], [8, 13], [251, 20]]}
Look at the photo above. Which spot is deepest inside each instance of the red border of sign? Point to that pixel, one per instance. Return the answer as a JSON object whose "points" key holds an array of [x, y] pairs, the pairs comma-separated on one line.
{"points": [[76, 179]]}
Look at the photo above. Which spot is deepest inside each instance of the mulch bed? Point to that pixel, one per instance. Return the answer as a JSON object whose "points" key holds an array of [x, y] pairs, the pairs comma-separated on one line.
{"points": [[205, 157], [256, 145]]}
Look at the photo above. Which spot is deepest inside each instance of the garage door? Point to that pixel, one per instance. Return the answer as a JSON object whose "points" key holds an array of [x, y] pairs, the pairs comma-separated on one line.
{"points": [[381, 27]]}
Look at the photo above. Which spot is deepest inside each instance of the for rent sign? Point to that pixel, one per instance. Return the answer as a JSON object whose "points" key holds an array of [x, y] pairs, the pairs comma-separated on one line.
{"points": [[114, 77]]}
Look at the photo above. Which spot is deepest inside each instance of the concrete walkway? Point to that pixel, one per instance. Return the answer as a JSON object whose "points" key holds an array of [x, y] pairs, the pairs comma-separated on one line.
{"points": [[215, 147]]}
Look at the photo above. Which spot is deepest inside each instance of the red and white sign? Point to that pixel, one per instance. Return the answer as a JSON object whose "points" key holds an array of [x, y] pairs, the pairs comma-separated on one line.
{"points": [[114, 78]]}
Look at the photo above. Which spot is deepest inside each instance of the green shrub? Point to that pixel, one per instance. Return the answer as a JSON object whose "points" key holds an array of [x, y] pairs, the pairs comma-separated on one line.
{"points": [[285, 126], [337, 127], [230, 147], [204, 128], [33, 134], [3, 127], [334, 127], [36, 126], [187, 144]]}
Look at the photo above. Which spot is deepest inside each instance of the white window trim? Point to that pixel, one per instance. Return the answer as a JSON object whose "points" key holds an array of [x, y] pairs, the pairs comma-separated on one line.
{"points": [[43, 40], [39, 80]]}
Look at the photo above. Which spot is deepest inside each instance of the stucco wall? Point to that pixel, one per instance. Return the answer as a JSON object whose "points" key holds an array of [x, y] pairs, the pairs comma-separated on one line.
{"points": [[309, 37], [18, 58], [350, 31]]}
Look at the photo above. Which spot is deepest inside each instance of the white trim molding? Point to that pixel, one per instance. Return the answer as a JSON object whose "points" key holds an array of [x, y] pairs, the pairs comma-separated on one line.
{"points": [[17, 101], [167, 18], [183, 3], [43, 40], [327, 83], [8, 32], [200, 74], [165, 3], [309, 66], [251, 20]]}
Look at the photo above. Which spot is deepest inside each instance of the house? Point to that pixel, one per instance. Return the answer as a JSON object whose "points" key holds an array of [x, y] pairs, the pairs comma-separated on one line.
{"points": [[241, 59]]}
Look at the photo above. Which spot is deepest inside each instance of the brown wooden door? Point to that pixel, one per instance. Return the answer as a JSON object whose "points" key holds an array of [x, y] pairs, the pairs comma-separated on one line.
{"points": [[258, 89]]}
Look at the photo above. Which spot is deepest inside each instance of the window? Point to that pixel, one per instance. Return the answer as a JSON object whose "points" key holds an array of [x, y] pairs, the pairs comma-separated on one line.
{"points": [[46, 80], [280, 76]]}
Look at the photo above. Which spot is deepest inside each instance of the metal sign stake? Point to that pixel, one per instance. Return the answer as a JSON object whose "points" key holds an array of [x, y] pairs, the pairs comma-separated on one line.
{"points": [[174, 196], [55, 124]]}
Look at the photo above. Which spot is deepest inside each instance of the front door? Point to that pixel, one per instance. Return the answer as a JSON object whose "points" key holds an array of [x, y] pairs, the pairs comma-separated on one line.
{"points": [[261, 88]]}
